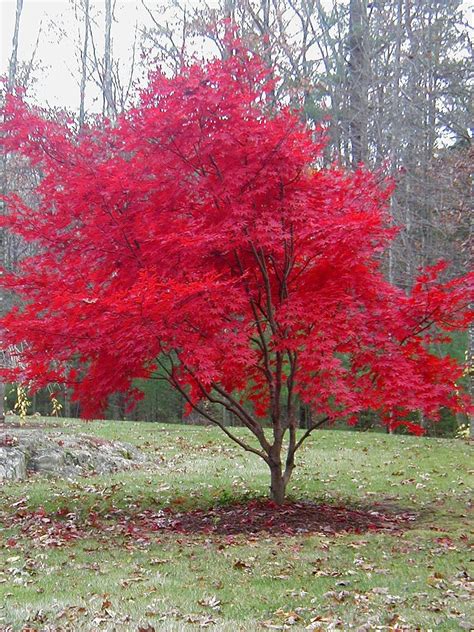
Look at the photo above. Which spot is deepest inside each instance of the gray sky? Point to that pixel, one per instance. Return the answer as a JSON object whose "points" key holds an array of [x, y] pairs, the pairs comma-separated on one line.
{"points": [[60, 34], [57, 51]]}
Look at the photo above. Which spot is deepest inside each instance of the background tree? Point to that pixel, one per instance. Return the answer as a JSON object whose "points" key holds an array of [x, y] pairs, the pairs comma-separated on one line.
{"points": [[84, 62]]}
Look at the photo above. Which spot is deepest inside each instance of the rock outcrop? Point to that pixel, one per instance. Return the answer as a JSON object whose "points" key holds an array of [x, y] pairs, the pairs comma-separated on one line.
{"points": [[25, 451]]}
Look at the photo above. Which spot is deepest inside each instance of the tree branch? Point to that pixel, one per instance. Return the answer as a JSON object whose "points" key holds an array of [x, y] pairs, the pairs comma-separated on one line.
{"points": [[171, 380]]}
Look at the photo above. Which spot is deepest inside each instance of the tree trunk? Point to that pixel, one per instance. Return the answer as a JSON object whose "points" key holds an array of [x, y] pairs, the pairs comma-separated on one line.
{"points": [[278, 484], [85, 46], [358, 81], [2, 402], [67, 402], [109, 104], [14, 56]]}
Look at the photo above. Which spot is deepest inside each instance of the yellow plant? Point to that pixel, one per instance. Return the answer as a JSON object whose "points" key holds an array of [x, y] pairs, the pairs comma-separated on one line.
{"points": [[463, 431], [56, 407], [23, 403]]}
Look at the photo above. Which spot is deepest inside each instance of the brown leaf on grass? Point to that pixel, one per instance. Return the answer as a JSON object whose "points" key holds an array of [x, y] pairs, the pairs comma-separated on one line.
{"points": [[72, 612], [380, 590], [202, 621], [436, 581], [289, 618], [210, 602], [241, 565], [322, 573], [131, 580], [339, 596]]}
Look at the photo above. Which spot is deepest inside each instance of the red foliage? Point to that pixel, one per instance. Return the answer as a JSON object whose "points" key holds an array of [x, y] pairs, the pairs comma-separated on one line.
{"points": [[198, 231]]}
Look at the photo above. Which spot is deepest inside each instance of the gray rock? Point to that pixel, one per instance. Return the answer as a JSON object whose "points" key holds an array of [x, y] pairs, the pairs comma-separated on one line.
{"points": [[12, 464], [46, 461], [55, 453]]}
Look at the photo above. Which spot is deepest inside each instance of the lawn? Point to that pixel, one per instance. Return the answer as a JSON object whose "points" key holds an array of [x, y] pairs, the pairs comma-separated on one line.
{"points": [[113, 574]]}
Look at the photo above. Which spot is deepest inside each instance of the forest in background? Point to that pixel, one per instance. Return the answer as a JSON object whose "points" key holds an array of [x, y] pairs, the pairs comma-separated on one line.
{"points": [[391, 80]]}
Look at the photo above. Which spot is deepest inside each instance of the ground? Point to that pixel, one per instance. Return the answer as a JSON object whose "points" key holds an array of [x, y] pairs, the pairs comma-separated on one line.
{"points": [[188, 543]]}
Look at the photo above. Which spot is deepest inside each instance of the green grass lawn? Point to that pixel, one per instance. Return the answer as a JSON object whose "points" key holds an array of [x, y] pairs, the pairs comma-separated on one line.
{"points": [[417, 579]]}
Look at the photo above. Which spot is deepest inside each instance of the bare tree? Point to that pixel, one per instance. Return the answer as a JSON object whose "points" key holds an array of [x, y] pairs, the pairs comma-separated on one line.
{"points": [[358, 80], [84, 60], [12, 69], [113, 76], [108, 97]]}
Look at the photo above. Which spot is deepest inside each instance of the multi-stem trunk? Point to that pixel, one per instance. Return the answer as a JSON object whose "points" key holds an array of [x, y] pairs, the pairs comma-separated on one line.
{"points": [[278, 483], [279, 475]]}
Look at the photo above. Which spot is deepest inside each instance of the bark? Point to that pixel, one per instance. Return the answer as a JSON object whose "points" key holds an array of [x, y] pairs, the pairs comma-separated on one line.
{"points": [[84, 56], [117, 406], [229, 9], [358, 81], [278, 483], [67, 403], [12, 70], [109, 105]]}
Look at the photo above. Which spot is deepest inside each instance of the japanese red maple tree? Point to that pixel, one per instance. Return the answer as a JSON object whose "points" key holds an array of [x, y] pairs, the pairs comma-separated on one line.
{"points": [[195, 240]]}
